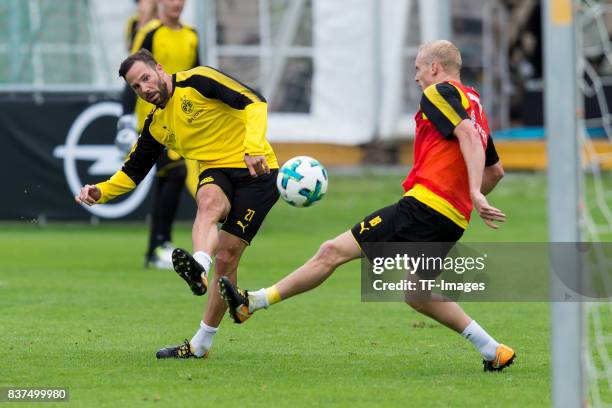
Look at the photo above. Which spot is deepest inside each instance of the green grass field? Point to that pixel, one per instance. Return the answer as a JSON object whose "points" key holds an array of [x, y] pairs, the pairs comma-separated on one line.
{"points": [[79, 311]]}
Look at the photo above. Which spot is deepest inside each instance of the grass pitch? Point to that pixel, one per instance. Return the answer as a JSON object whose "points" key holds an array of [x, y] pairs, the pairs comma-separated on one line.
{"points": [[79, 311]]}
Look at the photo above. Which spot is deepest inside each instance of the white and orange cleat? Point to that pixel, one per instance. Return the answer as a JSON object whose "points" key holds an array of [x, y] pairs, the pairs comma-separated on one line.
{"points": [[504, 357]]}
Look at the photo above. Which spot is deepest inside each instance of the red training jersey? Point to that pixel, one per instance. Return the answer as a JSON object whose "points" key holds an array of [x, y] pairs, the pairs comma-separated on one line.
{"points": [[439, 165]]}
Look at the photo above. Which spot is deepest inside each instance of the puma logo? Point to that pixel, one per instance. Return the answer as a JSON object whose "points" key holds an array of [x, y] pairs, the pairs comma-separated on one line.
{"points": [[241, 225]]}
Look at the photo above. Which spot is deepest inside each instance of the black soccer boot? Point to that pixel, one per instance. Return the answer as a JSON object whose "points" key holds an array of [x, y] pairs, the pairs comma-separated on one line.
{"points": [[190, 270], [237, 300], [181, 351]]}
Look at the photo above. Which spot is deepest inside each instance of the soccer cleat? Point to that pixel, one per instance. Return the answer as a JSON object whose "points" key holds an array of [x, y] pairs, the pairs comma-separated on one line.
{"points": [[504, 357], [237, 300], [190, 270], [181, 351]]}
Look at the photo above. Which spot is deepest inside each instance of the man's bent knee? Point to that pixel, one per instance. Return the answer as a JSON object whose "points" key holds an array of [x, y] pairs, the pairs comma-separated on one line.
{"points": [[212, 203], [330, 253]]}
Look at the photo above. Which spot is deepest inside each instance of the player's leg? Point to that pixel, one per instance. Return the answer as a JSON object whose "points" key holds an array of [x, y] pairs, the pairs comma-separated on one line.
{"points": [[155, 239], [443, 310], [331, 254], [252, 200], [496, 356], [170, 178], [227, 259], [421, 223], [169, 198], [213, 207], [229, 252], [213, 204], [418, 223]]}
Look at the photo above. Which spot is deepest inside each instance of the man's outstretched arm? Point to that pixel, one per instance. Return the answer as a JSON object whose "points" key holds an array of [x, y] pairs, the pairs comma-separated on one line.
{"points": [[137, 165]]}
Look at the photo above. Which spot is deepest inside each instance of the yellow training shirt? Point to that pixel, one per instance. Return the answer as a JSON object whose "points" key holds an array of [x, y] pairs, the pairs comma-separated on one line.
{"points": [[210, 117]]}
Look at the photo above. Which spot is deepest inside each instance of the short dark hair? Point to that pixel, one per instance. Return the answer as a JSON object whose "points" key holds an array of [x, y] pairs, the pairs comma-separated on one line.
{"points": [[141, 55]]}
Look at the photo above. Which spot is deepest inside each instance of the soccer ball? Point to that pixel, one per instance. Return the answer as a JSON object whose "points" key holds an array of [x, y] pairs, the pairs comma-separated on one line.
{"points": [[302, 181]]}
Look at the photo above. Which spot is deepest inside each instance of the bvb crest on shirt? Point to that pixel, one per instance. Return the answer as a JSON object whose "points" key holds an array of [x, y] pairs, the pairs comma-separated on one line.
{"points": [[170, 136], [186, 105]]}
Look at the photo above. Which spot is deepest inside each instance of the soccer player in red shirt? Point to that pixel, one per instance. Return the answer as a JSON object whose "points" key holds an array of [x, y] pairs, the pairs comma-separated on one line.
{"points": [[455, 165]]}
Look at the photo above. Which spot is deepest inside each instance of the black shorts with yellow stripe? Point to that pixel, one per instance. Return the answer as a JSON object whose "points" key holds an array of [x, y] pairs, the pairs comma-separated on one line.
{"points": [[409, 220], [250, 198]]}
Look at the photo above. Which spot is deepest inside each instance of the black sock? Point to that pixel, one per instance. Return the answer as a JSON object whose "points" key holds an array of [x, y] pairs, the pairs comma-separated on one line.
{"points": [[168, 188]]}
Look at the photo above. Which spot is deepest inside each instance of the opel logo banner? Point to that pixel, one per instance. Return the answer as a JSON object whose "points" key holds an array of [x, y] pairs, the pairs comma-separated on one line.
{"points": [[107, 159]]}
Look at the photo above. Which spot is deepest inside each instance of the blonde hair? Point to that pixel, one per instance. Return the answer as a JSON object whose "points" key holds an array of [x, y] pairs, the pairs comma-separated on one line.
{"points": [[444, 53]]}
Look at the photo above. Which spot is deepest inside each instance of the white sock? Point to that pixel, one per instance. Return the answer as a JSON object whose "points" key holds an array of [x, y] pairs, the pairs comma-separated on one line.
{"points": [[481, 340], [202, 341], [258, 300], [203, 259]]}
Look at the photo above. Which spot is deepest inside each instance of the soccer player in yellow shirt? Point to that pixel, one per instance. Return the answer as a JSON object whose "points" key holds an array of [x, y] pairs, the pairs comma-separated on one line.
{"points": [[207, 116], [146, 11]]}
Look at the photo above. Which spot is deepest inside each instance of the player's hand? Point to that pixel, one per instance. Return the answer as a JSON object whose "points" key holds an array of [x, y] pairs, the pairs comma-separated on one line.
{"points": [[89, 195], [126, 133], [489, 214], [257, 165]]}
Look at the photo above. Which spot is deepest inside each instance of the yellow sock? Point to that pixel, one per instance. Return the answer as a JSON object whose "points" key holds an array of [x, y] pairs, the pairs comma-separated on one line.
{"points": [[272, 295]]}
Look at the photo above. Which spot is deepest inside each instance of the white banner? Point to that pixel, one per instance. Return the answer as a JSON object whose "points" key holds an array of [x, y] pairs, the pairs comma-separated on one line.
{"points": [[343, 79]]}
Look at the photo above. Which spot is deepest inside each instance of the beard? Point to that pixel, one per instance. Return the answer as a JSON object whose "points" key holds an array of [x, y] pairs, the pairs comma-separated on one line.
{"points": [[164, 94]]}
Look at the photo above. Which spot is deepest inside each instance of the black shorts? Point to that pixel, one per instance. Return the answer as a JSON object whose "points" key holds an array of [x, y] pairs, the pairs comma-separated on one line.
{"points": [[251, 198], [409, 220]]}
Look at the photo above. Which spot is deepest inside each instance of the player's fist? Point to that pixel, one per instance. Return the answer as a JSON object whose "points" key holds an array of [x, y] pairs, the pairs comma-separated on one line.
{"points": [[126, 133], [89, 195]]}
